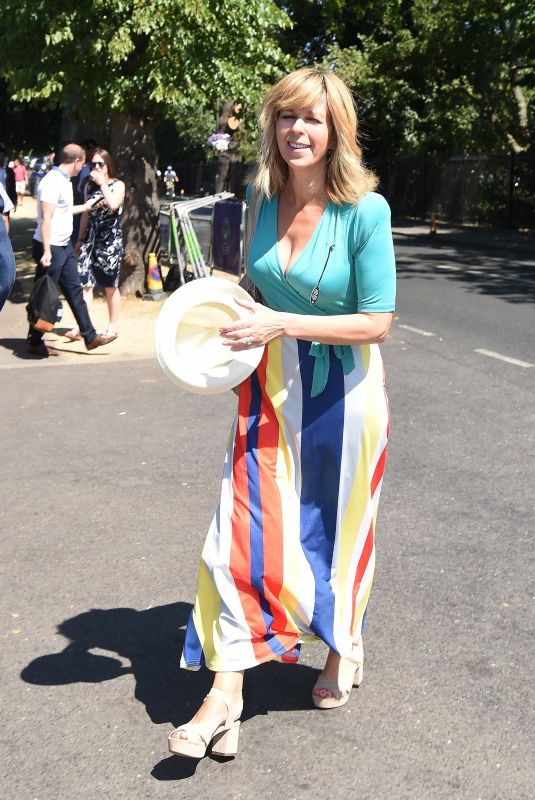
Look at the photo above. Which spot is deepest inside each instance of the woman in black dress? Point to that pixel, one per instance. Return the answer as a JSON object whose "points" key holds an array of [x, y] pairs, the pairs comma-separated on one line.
{"points": [[100, 246]]}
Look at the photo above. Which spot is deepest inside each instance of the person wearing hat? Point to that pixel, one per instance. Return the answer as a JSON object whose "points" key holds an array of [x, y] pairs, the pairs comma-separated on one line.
{"points": [[289, 557]]}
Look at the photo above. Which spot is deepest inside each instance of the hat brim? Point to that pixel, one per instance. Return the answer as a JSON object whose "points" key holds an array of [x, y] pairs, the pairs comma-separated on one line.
{"points": [[188, 344]]}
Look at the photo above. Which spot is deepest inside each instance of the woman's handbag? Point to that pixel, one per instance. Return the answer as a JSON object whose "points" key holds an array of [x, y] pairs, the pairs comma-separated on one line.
{"points": [[251, 215]]}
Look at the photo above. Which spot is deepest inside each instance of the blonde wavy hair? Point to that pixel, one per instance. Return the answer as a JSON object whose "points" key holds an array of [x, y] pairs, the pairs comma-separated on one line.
{"points": [[348, 180]]}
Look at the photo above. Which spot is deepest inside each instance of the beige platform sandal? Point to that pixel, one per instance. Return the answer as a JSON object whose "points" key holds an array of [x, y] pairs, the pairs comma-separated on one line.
{"points": [[334, 692], [224, 738]]}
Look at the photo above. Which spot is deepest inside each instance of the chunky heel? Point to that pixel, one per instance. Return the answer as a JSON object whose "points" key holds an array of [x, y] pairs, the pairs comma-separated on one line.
{"points": [[198, 736], [334, 692], [226, 742], [359, 675]]}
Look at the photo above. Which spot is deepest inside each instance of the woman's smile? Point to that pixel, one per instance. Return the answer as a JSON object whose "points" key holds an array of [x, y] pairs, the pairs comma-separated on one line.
{"points": [[298, 146]]}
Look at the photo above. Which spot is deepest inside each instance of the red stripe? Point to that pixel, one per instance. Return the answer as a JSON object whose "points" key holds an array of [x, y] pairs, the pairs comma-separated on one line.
{"points": [[378, 472], [367, 550], [268, 442], [240, 552], [368, 544]]}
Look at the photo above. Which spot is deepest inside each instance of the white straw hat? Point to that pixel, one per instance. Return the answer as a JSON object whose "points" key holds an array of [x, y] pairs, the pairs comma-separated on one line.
{"points": [[188, 343]]}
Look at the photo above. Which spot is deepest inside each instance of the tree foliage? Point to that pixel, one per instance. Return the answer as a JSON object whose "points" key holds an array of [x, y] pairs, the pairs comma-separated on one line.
{"points": [[148, 56], [134, 60], [319, 25], [444, 77]]}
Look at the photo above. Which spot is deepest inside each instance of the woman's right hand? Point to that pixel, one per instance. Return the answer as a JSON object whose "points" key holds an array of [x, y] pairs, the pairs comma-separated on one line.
{"points": [[77, 247]]}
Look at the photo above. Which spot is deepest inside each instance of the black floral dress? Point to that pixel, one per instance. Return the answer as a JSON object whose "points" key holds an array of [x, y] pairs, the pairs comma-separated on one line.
{"points": [[101, 252]]}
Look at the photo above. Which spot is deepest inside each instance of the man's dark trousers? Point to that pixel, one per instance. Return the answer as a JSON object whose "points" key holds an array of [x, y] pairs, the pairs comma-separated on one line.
{"points": [[64, 272]]}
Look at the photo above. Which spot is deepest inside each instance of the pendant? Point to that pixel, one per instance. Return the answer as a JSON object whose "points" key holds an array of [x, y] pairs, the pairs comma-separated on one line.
{"points": [[315, 293]]}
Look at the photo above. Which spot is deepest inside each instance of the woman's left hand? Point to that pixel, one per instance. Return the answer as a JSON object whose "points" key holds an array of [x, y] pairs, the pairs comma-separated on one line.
{"points": [[254, 330]]}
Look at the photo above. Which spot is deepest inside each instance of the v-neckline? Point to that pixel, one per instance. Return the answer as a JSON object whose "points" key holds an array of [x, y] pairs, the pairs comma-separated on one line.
{"points": [[313, 236]]}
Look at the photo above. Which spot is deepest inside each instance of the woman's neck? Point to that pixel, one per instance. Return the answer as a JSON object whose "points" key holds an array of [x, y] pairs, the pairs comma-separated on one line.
{"points": [[306, 187]]}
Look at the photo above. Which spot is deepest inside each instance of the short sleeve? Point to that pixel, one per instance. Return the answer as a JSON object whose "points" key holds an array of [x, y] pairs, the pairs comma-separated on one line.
{"points": [[49, 190], [7, 205], [373, 253]]}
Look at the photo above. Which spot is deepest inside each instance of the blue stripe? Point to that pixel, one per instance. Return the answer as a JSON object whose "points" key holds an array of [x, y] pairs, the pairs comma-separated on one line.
{"points": [[255, 508], [322, 432], [193, 653], [253, 481]]}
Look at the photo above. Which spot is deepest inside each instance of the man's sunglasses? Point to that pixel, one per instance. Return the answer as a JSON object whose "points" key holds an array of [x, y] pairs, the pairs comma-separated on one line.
{"points": [[97, 164]]}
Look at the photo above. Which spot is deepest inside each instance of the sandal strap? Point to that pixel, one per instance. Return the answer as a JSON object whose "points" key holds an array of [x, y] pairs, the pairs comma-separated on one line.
{"points": [[220, 695]]}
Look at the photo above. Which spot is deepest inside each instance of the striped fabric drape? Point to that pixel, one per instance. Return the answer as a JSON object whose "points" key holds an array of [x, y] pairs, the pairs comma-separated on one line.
{"points": [[290, 552]]}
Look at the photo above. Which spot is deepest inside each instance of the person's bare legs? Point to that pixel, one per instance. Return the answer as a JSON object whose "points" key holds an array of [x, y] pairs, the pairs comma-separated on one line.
{"points": [[342, 670], [213, 709], [88, 296], [330, 670], [113, 299]]}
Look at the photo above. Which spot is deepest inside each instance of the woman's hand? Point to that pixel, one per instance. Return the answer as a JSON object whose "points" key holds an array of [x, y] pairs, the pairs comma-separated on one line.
{"points": [[255, 330], [97, 177]]}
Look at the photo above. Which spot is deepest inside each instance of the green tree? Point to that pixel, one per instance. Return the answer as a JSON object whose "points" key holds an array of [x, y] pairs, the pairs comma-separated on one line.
{"points": [[132, 60], [439, 76], [319, 25]]}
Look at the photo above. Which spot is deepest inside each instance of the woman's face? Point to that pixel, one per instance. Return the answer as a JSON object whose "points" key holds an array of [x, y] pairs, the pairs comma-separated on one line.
{"points": [[98, 166], [303, 134]]}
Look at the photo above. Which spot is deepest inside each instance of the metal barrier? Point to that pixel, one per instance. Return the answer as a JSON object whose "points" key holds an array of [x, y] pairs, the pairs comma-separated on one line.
{"points": [[185, 256]]}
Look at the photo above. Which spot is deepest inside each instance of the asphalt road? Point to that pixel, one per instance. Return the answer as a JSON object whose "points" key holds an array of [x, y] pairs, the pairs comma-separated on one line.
{"points": [[109, 478]]}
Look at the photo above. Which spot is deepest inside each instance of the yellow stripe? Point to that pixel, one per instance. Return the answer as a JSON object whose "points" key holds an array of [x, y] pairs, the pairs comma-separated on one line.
{"points": [[206, 614], [359, 497]]}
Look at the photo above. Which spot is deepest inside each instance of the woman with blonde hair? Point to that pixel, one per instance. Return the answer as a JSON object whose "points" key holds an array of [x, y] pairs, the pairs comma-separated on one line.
{"points": [[289, 557]]}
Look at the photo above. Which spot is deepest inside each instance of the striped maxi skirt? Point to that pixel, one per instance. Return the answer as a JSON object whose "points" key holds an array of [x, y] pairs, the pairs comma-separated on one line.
{"points": [[290, 555]]}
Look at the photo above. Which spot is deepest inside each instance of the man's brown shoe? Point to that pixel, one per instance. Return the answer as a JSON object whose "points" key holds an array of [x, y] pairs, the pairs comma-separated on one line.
{"points": [[99, 340], [41, 350]]}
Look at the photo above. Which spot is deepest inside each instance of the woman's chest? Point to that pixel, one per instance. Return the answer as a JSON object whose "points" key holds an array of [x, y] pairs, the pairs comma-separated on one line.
{"points": [[322, 277], [294, 232]]}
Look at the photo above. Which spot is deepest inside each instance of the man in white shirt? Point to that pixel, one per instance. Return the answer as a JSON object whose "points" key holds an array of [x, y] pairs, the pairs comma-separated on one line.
{"points": [[52, 248]]}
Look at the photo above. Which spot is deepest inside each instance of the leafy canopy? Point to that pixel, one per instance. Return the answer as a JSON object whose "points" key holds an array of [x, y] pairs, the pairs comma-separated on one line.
{"points": [[443, 76], [144, 56]]}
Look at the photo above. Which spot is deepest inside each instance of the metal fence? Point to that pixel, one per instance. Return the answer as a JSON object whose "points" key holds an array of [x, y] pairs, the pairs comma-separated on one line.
{"points": [[211, 177], [498, 191], [493, 190]]}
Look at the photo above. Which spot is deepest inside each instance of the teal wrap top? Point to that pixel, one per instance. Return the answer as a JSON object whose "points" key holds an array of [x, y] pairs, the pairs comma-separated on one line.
{"points": [[347, 266]]}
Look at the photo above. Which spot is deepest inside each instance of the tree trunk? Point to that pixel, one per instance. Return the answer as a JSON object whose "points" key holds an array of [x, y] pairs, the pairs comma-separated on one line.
{"points": [[133, 150]]}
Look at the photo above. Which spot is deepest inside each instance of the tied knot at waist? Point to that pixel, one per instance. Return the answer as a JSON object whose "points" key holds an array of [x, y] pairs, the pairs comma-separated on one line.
{"points": [[343, 352]]}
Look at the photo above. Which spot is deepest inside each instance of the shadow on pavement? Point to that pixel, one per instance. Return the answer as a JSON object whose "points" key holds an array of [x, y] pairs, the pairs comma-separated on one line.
{"points": [[505, 273], [18, 348], [151, 640]]}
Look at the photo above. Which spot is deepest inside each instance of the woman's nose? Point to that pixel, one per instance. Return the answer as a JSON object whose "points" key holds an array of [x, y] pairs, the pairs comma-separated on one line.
{"points": [[299, 124]]}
